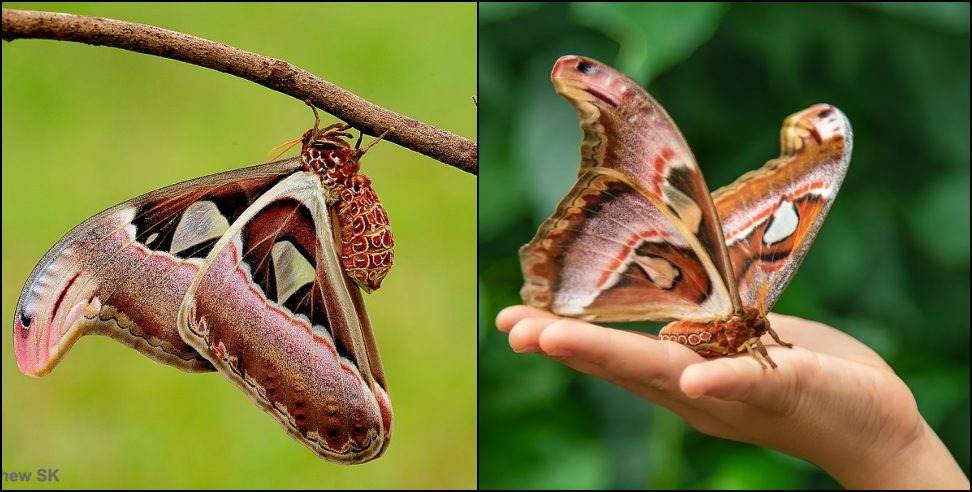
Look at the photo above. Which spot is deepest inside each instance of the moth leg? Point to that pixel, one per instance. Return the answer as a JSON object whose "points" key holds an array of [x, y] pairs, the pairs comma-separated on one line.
{"points": [[360, 152], [758, 351], [776, 337]]}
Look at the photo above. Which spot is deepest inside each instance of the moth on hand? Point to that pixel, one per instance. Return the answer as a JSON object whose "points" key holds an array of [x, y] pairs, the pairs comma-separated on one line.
{"points": [[253, 273], [639, 237]]}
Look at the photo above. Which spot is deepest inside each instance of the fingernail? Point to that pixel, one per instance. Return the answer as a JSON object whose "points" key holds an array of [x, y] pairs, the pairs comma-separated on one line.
{"points": [[527, 349]]}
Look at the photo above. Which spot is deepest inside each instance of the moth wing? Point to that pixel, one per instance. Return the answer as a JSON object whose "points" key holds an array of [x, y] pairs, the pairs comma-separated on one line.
{"points": [[273, 310], [626, 130], [123, 272], [770, 216], [612, 252]]}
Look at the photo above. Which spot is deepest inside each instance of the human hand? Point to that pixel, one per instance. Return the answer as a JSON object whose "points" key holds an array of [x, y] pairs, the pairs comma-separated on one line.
{"points": [[833, 401]]}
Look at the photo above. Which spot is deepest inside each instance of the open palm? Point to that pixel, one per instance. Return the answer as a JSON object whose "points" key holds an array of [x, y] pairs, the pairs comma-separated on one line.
{"points": [[832, 401]]}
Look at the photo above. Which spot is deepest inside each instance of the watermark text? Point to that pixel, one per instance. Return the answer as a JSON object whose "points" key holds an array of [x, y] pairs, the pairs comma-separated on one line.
{"points": [[38, 475]]}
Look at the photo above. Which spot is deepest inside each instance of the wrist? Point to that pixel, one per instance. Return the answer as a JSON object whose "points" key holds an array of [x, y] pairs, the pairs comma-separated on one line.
{"points": [[919, 462]]}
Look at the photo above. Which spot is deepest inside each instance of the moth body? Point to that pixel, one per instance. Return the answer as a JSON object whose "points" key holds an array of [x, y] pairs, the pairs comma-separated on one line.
{"points": [[367, 245], [720, 337]]}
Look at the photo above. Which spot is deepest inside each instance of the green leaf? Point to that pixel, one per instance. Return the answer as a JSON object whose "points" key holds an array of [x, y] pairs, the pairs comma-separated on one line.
{"points": [[950, 16], [943, 207], [547, 455], [752, 468], [546, 143], [653, 36], [501, 11]]}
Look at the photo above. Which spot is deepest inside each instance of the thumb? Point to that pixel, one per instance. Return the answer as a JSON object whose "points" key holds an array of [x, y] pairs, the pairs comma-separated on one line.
{"points": [[744, 380]]}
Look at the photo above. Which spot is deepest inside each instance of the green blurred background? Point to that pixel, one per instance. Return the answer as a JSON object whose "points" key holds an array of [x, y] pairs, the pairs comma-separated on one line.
{"points": [[890, 267], [87, 127]]}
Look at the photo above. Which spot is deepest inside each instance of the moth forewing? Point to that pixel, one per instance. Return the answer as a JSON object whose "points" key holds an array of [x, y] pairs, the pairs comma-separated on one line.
{"points": [[628, 262], [771, 215], [301, 353], [116, 273]]}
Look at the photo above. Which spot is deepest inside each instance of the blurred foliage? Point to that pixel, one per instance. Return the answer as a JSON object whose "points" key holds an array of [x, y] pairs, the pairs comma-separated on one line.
{"points": [[87, 127], [890, 267]]}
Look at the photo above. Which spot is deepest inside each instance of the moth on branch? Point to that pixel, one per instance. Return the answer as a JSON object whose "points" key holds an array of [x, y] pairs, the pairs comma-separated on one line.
{"points": [[272, 73]]}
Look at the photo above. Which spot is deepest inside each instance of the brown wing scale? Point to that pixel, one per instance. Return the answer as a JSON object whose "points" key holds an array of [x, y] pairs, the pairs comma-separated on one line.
{"points": [[639, 237], [626, 132], [123, 273], [770, 216], [272, 309]]}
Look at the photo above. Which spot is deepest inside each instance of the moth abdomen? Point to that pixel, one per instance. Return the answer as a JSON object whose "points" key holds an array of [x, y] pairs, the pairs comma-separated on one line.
{"points": [[366, 241]]}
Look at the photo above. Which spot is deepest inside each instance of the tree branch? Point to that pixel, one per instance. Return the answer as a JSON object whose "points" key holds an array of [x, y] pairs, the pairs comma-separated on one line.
{"points": [[269, 72]]}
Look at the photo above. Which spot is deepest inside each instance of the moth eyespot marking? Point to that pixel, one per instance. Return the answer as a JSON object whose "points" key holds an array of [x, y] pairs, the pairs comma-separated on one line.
{"points": [[586, 67], [693, 339], [706, 336], [25, 321], [682, 340], [782, 224]]}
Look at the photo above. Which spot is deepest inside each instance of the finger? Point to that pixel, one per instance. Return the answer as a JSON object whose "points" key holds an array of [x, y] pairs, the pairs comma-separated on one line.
{"points": [[743, 379], [511, 315], [799, 331], [525, 334], [824, 339], [616, 355]]}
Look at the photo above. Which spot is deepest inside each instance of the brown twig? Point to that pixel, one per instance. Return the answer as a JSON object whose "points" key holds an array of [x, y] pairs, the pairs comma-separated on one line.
{"points": [[269, 72]]}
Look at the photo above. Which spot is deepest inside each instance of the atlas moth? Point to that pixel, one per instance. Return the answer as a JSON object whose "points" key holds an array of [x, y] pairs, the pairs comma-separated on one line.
{"points": [[253, 273], [639, 236]]}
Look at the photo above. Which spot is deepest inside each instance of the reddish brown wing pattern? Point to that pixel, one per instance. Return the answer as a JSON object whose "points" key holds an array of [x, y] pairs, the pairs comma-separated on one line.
{"points": [[601, 258], [367, 245], [627, 130], [237, 272], [97, 278], [770, 216], [272, 309], [612, 253], [628, 134]]}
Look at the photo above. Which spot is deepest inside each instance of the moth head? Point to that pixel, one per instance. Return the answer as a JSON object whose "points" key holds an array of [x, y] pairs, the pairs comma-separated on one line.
{"points": [[331, 137], [580, 80], [329, 148]]}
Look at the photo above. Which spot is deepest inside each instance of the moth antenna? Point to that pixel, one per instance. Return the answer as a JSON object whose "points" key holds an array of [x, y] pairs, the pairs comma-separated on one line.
{"points": [[361, 152], [286, 146]]}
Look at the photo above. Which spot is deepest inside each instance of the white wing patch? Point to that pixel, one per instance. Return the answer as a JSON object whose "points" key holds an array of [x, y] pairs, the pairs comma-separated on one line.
{"points": [[291, 269], [200, 222], [784, 223], [660, 271]]}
